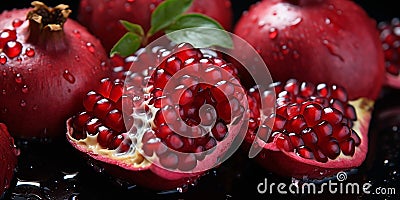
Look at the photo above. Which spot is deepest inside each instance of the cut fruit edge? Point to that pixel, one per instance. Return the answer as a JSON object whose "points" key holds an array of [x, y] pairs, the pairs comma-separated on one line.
{"points": [[321, 170]]}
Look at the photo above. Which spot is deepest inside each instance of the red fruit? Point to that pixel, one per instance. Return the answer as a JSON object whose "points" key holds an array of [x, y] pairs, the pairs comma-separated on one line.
{"points": [[8, 158], [390, 38], [172, 139], [44, 69], [318, 140], [331, 41], [102, 17]]}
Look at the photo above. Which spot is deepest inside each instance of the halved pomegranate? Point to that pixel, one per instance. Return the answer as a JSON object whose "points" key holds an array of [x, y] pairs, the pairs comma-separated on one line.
{"points": [[390, 38], [164, 126], [317, 131]]}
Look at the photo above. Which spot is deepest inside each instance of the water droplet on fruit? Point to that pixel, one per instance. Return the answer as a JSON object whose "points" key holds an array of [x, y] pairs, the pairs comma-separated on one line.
{"points": [[3, 59], [327, 21], [339, 12], [296, 55], [76, 33], [77, 58], [18, 78], [25, 89], [284, 49], [22, 103], [333, 49], [130, 1], [17, 23], [90, 47], [128, 7], [273, 33], [35, 107], [12, 49], [4, 92], [29, 52], [68, 76]]}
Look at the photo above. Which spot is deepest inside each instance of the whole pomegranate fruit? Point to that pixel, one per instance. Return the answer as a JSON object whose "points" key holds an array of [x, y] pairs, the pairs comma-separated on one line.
{"points": [[102, 17], [317, 132], [47, 62], [390, 37], [172, 122], [331, 41], [8, 158]]}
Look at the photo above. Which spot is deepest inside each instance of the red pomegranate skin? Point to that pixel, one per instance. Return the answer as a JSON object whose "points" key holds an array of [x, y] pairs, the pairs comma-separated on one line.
{"points": [[8, 161], [332, 41], [102, 16], [41, 92]]}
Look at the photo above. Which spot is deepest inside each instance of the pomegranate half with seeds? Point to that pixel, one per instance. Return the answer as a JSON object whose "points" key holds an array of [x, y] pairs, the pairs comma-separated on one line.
{"points": [[317, 131], [102, 16], [47, 62], [390, 38], [175, 116]]}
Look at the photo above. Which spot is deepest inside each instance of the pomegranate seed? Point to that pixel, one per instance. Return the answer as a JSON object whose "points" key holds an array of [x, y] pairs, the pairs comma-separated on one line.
{"points": [[296, 140], [330, 149], [169, 160], [292, 86], [312, 114], [172, 65], [174, 141], [348, 147], [80, 120], [323, 130], [187, 162], [323, 90], [338, 105], [338, 92], [319, 156], [283, 142], [296, 124], [116, 141], [341, 132], [92, 125], [332, 115], [210, 144], [305, 152], [101, 108], [355, 137], [104, 136], [307, 89], [105, 87], [90, 100], [114, 120], [292, 110], [264, 132], [309, 137], [219, 131], [351, 113]]}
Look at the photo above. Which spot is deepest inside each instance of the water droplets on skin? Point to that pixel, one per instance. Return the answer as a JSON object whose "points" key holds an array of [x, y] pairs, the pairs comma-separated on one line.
{"points": [[130, 1], [3, 59], [76, 33], [90, 47], [22, 103], [25, 89], [327, 21], [333, 49], [4, 92], [77, 58], [17, 23], [296, 21], [29, 52], [128, 7], [273, 33], [68, 76], [18, 78]]}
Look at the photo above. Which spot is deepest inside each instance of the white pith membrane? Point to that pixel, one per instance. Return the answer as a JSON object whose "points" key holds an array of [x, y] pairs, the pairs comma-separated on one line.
{"points": [[284, 162], [143, 114]]}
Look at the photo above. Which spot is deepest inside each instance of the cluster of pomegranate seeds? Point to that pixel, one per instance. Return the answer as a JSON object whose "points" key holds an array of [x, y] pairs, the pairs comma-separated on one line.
{"points": [[390, 37], [103, 117], [206, 85], [313, 121]]}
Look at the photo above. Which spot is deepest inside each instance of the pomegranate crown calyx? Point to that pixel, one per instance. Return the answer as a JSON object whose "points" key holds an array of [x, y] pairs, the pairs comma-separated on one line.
{"points": [[49, 18]]}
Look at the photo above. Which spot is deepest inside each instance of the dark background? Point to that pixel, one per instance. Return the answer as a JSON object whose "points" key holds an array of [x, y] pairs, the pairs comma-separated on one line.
{"points": [[236, 179]]}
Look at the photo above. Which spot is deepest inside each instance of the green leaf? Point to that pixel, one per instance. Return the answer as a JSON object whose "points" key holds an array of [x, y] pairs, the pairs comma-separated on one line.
{"points": [[134, 28], [166, 13], [127, 45], [200, 31]]}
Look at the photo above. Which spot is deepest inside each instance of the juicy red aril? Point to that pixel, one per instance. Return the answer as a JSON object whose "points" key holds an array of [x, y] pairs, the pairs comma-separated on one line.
{"points": [[316, 120], [103, 116], [305, 152], [12, 49], [283, 142], [219, 131], [348, 147], [390, 39]]}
